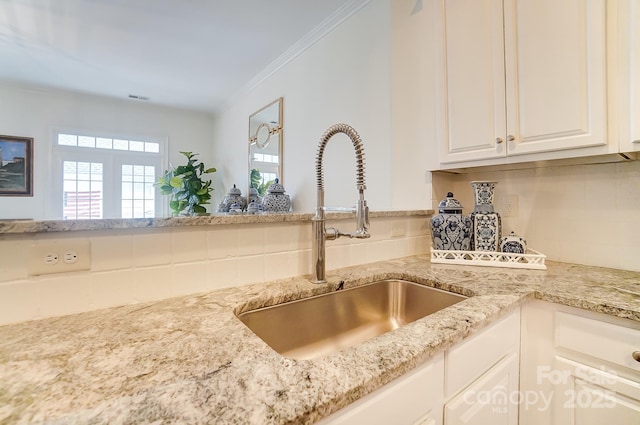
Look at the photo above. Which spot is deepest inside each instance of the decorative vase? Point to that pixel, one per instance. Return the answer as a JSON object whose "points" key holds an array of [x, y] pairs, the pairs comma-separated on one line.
{"points": [[233, 197], [254, 196], [276, 200], [513, 243], [486, 223], [450, 229]]}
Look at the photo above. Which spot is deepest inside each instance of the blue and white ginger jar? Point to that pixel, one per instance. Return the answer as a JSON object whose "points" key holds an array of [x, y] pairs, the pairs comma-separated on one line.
{"points": [[450, 229], [276, 200]]}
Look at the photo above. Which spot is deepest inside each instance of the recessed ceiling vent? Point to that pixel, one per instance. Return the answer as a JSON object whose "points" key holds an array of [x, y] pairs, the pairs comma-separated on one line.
{"points": [[136, 97]]}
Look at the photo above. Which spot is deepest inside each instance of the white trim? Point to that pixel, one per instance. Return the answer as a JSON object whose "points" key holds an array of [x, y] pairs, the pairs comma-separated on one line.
{"points": [[112, 159], [311, 38]]}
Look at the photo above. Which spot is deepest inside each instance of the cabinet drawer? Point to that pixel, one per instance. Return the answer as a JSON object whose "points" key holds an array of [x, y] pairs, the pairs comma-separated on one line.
{"points": [[601, 341], [477, 354]]}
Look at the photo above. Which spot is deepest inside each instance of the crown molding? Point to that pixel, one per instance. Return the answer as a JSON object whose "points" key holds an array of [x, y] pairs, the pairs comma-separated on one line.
{"points": [[312, 37]]}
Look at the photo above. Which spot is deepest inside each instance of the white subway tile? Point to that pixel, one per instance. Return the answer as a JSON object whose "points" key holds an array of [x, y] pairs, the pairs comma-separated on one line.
{"points": [[222, 242], [189, 278], [424, 245], [152, 283], [376, 251], [400, 248], [18, 302], [111, 252], [251, 240], [418, 226], [338, 256], [63, 294], [359, 253], [300, 262], [380, 229], [152, 248], [222, 273], [301, 237], [276, 266], [111, 288], [189, 245], [277, 237], [13, 259], [398, 227], [251, 269], [389, 249]]}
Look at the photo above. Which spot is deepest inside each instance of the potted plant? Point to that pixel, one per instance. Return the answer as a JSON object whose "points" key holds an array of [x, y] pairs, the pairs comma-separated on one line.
{"points": [[188, 191]]}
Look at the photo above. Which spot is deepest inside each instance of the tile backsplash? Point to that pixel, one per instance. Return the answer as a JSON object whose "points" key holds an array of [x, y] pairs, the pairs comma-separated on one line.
{"points": [[584, 214], [132, 266]]}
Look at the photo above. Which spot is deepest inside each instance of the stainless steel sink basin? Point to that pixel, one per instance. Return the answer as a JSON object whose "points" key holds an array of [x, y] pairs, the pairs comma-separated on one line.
{"points": [[327, 323]]}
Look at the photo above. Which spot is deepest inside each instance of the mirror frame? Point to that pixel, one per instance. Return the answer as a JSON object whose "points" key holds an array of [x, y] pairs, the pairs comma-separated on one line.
{"points": [[278, 130]]}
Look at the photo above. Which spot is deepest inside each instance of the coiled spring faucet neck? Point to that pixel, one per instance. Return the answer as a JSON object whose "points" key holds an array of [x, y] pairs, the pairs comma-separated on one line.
{"points": [[361, 209], [357, 144]]}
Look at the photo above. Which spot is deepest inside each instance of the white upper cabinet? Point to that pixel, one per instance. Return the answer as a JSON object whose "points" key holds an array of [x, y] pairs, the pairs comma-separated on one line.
{"points": [[520, 77], [629, 17]]}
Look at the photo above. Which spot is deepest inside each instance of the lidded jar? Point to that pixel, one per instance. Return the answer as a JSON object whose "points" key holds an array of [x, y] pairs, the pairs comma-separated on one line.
{"points": [[276, 200], [254, 196], [450, 229], [233, 197], [513, 244]]}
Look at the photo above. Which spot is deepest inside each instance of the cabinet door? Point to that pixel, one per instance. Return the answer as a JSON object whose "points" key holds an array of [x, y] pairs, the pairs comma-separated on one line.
{"points": [[629, 17], [555, 60], [577, 367], [413, 399], [589, 396], [471, 110], [492, 399]]}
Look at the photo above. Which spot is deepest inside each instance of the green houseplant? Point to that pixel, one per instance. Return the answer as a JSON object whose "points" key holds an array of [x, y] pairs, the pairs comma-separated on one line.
{"points": [[256, 182], [188, 190]]}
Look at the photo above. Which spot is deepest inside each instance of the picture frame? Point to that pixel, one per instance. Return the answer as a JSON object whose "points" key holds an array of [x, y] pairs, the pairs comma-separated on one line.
{"points": [[16, 166]]}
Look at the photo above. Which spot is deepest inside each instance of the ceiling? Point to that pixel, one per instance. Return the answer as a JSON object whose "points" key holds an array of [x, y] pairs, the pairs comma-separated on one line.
{"points": [[194, 54]]}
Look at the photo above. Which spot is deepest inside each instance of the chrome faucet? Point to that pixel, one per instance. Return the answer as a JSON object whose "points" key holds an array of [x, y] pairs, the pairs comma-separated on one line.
{"points": [[322, 233]]}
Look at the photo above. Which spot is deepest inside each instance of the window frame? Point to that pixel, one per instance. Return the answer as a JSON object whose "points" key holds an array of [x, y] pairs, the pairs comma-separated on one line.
{"points": [[112, 160]]}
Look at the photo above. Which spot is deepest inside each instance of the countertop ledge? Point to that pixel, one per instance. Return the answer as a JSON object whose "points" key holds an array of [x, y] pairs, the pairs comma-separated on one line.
{"points": [[190, 360], [47, 226]]}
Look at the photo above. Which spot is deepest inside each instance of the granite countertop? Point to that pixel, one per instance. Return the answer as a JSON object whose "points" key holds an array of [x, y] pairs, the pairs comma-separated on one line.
{"points": [[190, 360], [19, 226]]}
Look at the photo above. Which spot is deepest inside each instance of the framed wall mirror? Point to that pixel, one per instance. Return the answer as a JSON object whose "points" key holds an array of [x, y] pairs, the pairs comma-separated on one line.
{"points": [[265, 147]]}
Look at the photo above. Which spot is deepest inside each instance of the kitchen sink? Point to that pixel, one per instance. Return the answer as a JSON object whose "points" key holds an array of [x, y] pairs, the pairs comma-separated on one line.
{"points": [[324, 324]]}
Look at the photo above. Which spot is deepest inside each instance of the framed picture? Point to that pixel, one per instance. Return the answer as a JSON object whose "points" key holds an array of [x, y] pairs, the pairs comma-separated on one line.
{"points": [[16, 166]]}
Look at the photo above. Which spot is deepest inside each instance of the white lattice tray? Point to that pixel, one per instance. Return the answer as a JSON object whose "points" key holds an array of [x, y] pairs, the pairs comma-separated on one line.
{"points": [[531, 260]]}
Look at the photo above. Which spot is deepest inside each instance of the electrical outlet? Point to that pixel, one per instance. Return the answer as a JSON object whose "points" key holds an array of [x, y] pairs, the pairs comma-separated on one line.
{"points": [[70, 257], [51, 259], [60, 256], [510, 207]]}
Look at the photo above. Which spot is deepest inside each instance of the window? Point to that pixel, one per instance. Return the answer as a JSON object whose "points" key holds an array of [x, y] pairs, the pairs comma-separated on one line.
{"points": [[105, 177]]}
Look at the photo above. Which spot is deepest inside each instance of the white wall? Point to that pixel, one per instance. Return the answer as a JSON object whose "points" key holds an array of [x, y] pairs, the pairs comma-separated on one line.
{"points": [[413, 106], [344, 77], [35, 112]]}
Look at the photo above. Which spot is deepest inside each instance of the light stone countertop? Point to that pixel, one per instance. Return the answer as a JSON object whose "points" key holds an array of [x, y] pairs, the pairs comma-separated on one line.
{"points": [[47, 226], [190, 360]]}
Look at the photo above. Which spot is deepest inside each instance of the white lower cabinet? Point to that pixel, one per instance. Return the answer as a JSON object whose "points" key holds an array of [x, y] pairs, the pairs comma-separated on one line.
{"points": [[482, 376], [469, 384], [578, 367], [412, 399], [488, 399]]}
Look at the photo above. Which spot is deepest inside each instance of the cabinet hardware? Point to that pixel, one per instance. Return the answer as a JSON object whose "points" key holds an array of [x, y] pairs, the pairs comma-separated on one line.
{"points": [[499, 140], [636, 356], [510, 138]]}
